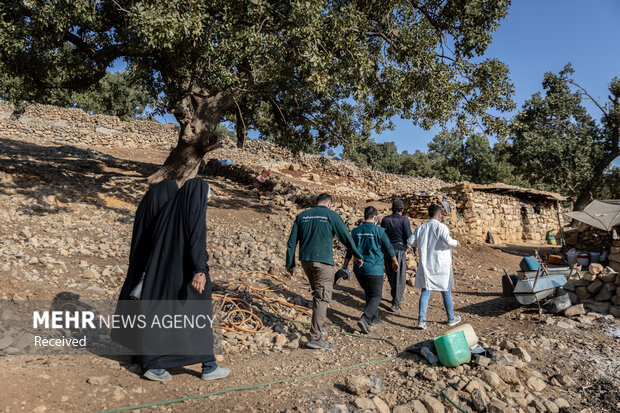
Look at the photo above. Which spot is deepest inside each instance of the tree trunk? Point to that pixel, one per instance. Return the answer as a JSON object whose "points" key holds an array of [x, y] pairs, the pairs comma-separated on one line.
{"points": [[241, 131], [198, 116], [589, 190], [583, 199]]}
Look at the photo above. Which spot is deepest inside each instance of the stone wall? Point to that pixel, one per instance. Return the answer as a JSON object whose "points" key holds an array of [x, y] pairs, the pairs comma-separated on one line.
{"points": [[508, 217], [52, 124], [597, 289]]}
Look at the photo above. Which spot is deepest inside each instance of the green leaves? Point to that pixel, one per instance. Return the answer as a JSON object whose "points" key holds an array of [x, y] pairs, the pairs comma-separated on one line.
{"points": [[557, 145], [116, 94], [308, 72]]}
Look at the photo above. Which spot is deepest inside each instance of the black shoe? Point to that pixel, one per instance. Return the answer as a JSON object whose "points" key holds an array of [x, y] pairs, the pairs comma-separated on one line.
{"points": [[319, 345], [376, 321], [395, 308], [363, 324]]}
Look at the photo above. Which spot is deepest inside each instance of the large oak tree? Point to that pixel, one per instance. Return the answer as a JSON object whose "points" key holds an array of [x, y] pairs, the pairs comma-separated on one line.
{"points": [[557, 145], [301, 72]]}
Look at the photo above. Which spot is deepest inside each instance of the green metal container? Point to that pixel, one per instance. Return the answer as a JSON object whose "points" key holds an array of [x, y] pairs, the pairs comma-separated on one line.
{"points": [[452, 349]]}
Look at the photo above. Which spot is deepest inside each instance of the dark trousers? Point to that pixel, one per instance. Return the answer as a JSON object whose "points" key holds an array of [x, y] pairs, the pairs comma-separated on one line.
{"points": [[397, 279], [373, 291]]}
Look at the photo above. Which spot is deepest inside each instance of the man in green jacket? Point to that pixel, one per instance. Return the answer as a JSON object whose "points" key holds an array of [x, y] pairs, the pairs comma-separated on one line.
{"points": [[374, 244], [314, 229]]}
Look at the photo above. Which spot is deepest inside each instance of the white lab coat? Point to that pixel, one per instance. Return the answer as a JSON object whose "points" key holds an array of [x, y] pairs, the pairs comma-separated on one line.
{"points": [[435, 256]]}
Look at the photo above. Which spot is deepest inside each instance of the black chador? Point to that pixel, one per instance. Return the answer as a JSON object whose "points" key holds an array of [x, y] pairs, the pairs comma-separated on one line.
{"points": [[179, 252], [142, 241]]}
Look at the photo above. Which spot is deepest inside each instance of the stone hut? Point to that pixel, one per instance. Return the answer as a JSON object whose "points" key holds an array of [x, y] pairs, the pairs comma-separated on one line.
{"points": [[508, 213]]}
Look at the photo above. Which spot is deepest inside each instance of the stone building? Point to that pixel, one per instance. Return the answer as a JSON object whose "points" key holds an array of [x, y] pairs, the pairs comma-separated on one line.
{"points": [[507, 213]]}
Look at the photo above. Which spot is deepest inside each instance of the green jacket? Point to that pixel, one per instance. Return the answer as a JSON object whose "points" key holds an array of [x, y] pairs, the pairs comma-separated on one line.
{"points": [[374, 244], [314, 229]]}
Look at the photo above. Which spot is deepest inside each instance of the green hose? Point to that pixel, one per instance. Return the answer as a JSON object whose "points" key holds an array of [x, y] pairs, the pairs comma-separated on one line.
{"points": [[452, 403], [287, 380], [255, 386]]}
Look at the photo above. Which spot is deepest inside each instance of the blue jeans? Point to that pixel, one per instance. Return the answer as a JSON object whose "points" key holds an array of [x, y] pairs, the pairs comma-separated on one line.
{"points": [[447, 303], [208, 366]]}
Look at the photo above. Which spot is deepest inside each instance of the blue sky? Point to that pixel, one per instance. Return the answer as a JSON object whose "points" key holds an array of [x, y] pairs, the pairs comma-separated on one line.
{"points": [[539, 36]]}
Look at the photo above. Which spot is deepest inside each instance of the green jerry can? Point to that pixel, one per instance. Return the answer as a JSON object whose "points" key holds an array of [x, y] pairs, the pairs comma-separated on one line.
{"points": [[452, 349]]}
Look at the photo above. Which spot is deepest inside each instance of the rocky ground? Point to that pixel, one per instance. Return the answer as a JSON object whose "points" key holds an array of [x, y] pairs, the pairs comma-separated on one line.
{"points": [[66, 215]]}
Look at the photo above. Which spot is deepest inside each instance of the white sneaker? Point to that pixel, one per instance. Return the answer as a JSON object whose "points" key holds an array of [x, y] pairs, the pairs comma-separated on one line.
{"points": [[219, 373]]}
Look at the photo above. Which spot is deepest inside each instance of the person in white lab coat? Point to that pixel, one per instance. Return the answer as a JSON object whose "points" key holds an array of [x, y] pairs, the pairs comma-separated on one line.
{"points": [[435, 264]]}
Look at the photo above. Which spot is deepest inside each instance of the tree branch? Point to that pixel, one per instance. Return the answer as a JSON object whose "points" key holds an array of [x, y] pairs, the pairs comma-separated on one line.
{"points": [[585, 92]]}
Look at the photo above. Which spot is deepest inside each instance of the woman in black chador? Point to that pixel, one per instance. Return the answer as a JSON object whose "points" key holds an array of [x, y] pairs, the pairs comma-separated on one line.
{"points": [[177, 276], [141, 246]]}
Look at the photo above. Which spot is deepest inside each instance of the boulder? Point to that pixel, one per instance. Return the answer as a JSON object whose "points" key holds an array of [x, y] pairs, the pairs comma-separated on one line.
{"points": [[536, 384], [381, 406], [364, 403], [595, 268], [588, 276], [574, 310], [522, 353], [479, 400], [492, 378], [582, 293], [603, 295], [432, 404], [497, 406], [607, 277], [600, 307], [561, 403], [570, 285], [508, 374], [360, 385], [429, 374], [595, 286], [418, 407]]}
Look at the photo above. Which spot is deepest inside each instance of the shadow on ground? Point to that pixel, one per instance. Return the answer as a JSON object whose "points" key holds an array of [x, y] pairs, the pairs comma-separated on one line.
{"points": [[51, 176], [491, 308]]}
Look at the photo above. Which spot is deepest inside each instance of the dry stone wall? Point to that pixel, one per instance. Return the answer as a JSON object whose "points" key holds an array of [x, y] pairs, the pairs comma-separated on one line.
{"points": [[64, 126], [508, 217], [597, 289]]}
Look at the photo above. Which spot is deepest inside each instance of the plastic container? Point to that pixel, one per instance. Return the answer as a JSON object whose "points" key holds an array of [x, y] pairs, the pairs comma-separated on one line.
{"points": [[470, 334], [571, 256], [452, 349], [595, 257], [555, 259], [583, 260], [529, 263]]}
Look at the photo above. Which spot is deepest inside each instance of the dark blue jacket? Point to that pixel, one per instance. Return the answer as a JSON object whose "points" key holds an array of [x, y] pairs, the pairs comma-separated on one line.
{"points": [[398, 230]]}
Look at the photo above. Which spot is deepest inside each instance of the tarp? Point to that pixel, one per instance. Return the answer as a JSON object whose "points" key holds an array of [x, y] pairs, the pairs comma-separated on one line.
{"points": [[600, 214]]}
